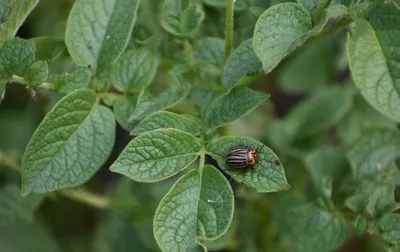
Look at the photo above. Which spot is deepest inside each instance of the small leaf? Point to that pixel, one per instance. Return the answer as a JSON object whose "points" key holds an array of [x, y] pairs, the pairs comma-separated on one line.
{"points": [[312, 229], [146, 106], [48, 48], [381, 202], [98, 31], [67, 83], [326, 162], [233, 105], [373, 52], [134, 70], [309, 5], [185, 214], [70, 144], [157, 155], [16, 56], [5, 10], [389, 227], [330, 14], [361, 117], [279, 31], [242, 62], [20, 9], [267, 175], [165, 119], [373, 151], [37, 73], [14, 208], [360, 224], [208, 52], [181, 20], [240, 5], [123, 109]]}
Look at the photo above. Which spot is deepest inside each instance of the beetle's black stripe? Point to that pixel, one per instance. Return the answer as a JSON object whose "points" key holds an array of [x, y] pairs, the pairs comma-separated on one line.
{"points": [[238, 158]]}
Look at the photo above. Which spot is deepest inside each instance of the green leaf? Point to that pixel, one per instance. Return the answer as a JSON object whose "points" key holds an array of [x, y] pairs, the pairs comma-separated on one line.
{"points": [[204, 96], [134, 70], [313, 229], [267, 175], [294, 76], [381, 202], [123, 109], [361, 117], [14, 208], [240, 5], [67, 83], [323, 163], [374, 151], [16, 56], [70, 144], [373, 52], [224, 241], [2, 90], [186, 214], [360, 225], [157, 155], [209, 50], [181, 20], [37, 73], [48, 48], [309, 5], [20, 9], [98, 31], [330, 15], [319, 112], [279, 31], [146, 106], [165, 119], [5, 10], [389, 227], [233, 105], [242, 62]]}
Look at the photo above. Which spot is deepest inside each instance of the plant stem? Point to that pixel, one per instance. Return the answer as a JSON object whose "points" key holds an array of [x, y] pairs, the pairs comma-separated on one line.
{"points": [[86, 197], [20, 80], [229, 28], [320, 8]]}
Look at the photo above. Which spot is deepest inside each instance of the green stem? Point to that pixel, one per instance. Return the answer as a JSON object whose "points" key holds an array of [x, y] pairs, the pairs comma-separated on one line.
{"points": [[20, 80], [229, 28], [320, 9], [86, 197], [187, 47]]}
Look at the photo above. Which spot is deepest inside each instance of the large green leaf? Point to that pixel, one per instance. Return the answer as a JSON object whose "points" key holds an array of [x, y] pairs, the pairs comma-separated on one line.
{"points": [[267, 175], [188, 212], [98, 31], [16, 56], [14, 208], [19, 10], [70, 144], [374, 56], [312, 229], [233, 105], [157, 155], [165, 119], [374, 150], [279, 31], [242, 62], [134, 70]]}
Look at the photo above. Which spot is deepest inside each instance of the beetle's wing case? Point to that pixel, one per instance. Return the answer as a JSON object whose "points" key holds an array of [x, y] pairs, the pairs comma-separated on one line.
{"points": [[238, 158]]}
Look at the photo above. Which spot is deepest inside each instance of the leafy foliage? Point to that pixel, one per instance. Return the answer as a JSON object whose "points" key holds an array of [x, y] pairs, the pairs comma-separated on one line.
{"points": [[140, 103]]}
